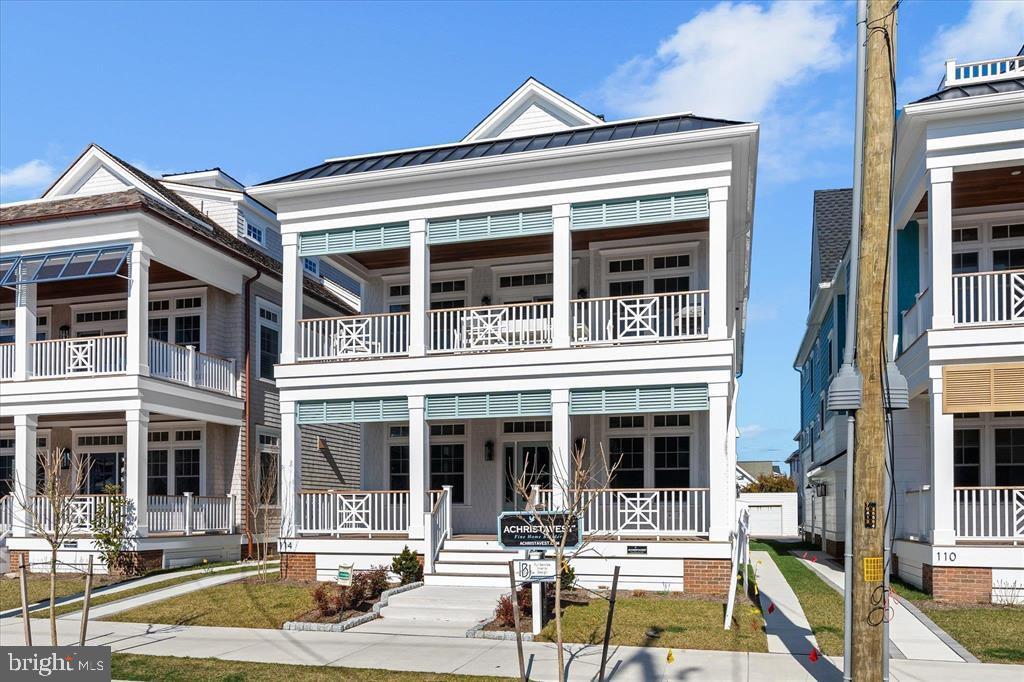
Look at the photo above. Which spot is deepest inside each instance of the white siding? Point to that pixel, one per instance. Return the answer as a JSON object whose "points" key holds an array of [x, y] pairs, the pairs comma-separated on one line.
{"points": [[99, 182], [223, 213], [532, 122]]}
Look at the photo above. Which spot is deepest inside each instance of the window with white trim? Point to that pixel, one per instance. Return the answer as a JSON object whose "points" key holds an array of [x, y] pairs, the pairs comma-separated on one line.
{"points": [[448, 460], [311, 265], [254, 232], [398, 457], [627, 458], [1009, 456], [270, 338], [966, 457], [175, 458], [269, 453]]}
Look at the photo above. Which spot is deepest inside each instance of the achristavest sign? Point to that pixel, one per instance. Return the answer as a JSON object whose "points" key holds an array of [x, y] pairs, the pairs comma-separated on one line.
{"points": [[531, 530]]}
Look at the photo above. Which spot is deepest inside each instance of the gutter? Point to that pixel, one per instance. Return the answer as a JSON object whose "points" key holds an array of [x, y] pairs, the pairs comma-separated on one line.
{"points": [[247, 412]]}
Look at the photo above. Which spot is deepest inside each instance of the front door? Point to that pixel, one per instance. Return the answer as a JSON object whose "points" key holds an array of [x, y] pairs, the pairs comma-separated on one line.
{"points": [[529, 463]]}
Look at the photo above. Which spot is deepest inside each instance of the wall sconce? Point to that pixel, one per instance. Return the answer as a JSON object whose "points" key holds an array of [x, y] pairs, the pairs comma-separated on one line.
{"points": [[65, 459], [577, 445], [321, 444], [489, 451], [485, 300], [582, 293]]}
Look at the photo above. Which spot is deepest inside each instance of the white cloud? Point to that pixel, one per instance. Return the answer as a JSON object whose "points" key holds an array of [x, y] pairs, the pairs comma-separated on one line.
{"points": [[990, 30], [731, 61], [23, 180]]}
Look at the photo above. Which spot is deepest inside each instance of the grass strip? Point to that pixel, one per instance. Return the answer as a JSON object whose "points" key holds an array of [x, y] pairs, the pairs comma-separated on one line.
{"points": [[822, 605], [174, 669]]}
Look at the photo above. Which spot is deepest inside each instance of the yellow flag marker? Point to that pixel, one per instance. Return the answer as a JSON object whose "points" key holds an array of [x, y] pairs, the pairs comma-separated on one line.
{"points": [[671, 657]]}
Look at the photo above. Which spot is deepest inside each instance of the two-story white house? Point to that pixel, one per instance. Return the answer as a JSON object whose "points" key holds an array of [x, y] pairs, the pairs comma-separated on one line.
{"points": [[552, 281], [140, 322]]}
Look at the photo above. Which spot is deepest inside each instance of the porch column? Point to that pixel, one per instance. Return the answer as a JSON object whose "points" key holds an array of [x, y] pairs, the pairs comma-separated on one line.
{"points": [[291, 470], [291, 297], [718, 250], [419, 466], [24, 331], [136, 478], [419, 288], [940, 245], [943, 529], [24, 470], [561, 277], [561, 446], [722, 485], [137, 360]]}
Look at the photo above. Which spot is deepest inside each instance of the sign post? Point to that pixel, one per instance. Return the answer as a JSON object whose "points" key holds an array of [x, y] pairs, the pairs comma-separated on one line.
{"points": [[515, 620]]}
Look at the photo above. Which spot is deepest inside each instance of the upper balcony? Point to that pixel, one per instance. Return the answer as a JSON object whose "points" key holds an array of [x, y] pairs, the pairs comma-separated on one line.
{"points": [[982, 71]]}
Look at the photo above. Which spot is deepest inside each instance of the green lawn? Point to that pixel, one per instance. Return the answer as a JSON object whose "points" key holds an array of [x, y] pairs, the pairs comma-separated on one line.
{"points": [[822, 605], [99, 599], [243, 604], [172, 669], [665, 620], [39, 588]]}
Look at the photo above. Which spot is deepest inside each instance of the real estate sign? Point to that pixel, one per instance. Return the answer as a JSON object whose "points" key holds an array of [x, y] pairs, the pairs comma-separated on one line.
{"points": [[526, 530]]}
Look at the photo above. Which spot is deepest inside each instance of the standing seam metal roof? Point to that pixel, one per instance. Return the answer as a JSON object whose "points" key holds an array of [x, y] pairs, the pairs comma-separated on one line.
{"points": [[454, 152]]}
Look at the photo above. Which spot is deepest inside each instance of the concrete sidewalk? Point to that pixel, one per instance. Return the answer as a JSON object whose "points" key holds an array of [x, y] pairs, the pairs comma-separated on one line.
{"points": [[478, 657], [786, 626], [915, 639]]}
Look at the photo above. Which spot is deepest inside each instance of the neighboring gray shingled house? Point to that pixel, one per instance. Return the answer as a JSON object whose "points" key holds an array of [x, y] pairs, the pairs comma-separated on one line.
{"points": [[833, 212]]}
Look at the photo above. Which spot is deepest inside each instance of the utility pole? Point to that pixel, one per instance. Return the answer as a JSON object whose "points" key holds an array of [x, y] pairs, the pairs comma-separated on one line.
{"points": [[869, 600]]}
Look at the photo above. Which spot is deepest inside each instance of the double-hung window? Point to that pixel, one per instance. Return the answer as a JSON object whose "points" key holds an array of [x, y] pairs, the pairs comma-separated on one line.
{"points": [[966, 457], [1009, 451], [627, 458]]}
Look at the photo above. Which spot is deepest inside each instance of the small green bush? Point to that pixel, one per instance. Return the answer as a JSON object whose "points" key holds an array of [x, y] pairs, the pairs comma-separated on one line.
{"points": [[407, 566], [567, 577], [773, 483]]}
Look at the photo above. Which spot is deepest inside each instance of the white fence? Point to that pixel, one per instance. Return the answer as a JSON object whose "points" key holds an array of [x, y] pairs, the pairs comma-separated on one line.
{"points": [[330, 512], [989, 513], [186, 365], [988, 297], [642, 512], [83, 356], [520, 325], [358, 336], [190, 514], [981, 71], [6, 360], [620, 319]]}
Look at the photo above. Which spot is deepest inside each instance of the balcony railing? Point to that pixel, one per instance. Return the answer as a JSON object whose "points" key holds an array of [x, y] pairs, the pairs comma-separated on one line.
{"points": [[519, 325], [989, 513], [916, 319], [982, 71], [181, 514], [87, 356], [186, 365], [359, 336], [80, 512], [662, 512], [988, 297], [624, 319], [361, 512], [6, 360]]}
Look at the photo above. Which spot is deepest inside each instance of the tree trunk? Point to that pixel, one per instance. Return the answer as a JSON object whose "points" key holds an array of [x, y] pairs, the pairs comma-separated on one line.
{"points": [[53, 595], [558, 615]]}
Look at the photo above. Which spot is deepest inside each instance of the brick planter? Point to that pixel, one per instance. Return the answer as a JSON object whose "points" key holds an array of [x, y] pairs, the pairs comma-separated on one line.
{"points": [[706, 576], [957, 585], [298, 566]]}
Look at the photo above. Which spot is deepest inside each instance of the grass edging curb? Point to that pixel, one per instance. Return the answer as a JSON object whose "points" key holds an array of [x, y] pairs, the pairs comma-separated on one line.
{"points": [[478, 632], [350, 623]]}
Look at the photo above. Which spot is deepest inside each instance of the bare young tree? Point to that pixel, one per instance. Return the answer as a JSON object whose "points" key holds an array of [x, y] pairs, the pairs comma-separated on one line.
{"points": [[53, 513], [261, 498], [572, 494]]}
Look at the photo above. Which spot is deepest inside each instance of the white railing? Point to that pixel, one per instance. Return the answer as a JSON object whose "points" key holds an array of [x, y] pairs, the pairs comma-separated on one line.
{"points": [[189, 514], [78, 512], [358, 336], [186, 365], [212, 514], [83, 356], [6, 514], [166, 513], [363, 512], [915, 517], [988, 297], [439, 525], [989, 513], [642, 511], [916, 319], [621, 319], [518, 325], [982, 71], [6, 360]]}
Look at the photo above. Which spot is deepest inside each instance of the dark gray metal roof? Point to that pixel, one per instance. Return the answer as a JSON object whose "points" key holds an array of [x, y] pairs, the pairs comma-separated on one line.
{"points": [[975, 90], [833, 219], [663, 125]]}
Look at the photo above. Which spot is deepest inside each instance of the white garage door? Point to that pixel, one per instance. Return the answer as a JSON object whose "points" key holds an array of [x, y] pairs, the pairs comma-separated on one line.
{"points": [[765, 519]]}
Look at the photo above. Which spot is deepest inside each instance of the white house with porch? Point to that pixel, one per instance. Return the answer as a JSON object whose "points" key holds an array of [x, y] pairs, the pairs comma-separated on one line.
{"points": [[552, 281]]}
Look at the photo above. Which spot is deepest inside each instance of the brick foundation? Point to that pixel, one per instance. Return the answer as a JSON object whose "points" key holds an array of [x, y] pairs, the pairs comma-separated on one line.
{"points": [[835, 547], [957, 585], [707, 576], [140, 563], [18, 559], [298, 566]]}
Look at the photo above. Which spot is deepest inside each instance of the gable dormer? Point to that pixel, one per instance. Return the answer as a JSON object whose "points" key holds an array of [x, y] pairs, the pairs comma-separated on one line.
{"points": [[214, 178], [532, 109]]}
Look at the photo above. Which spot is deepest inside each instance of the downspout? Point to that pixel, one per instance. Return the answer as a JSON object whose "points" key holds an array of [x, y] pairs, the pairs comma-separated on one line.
{"points": [[247, 412]]}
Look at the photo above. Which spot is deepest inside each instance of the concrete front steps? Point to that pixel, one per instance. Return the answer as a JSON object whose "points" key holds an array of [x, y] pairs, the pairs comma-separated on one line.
{"points": [[450, 608], [471, 563]]}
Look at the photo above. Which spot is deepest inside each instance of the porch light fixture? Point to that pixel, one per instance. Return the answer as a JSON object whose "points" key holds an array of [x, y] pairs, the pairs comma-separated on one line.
{"points": [[485, 300], [65, 459], [64, 331], [489, 449], [582, 293]]}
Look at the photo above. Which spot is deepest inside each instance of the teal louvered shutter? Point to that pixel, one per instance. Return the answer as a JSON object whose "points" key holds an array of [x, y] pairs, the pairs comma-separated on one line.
{"points": [[355, 411], [680, 398], [354, 239], [497, 226], [640, 210], [484, 405]]}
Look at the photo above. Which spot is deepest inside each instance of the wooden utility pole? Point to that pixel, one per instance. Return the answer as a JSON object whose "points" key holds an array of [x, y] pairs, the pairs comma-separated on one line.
{"points": [[872, 307]]}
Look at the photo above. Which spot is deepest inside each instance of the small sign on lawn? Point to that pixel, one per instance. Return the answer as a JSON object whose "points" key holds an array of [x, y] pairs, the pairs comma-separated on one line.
{"points": [[345, 575], [535, 570]]}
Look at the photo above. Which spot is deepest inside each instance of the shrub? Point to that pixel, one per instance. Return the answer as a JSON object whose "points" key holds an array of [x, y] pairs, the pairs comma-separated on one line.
{"points": [[567, 577], [325, 597], [111, 529], [407, 566], [503, 612], [377, 581], [771, 483]]}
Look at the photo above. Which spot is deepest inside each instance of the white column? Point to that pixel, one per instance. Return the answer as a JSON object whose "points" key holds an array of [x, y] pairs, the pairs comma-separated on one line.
{"points": [[561, 446], [940, 245], [730, 449], [419, 466], [419, 288], [718, 250], [561, 277], [137, 360], [24, 469], [136, 478], [291, 297], [722, 485], [24, 330], [943, 532], [290, 475]]}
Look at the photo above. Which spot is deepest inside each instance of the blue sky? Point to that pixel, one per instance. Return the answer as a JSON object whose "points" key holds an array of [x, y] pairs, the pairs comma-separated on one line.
{"points": [[261, 89]]}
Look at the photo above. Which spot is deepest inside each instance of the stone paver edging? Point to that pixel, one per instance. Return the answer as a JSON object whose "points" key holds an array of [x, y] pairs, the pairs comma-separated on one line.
{"points": [[478, 632], [350, 623]]}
